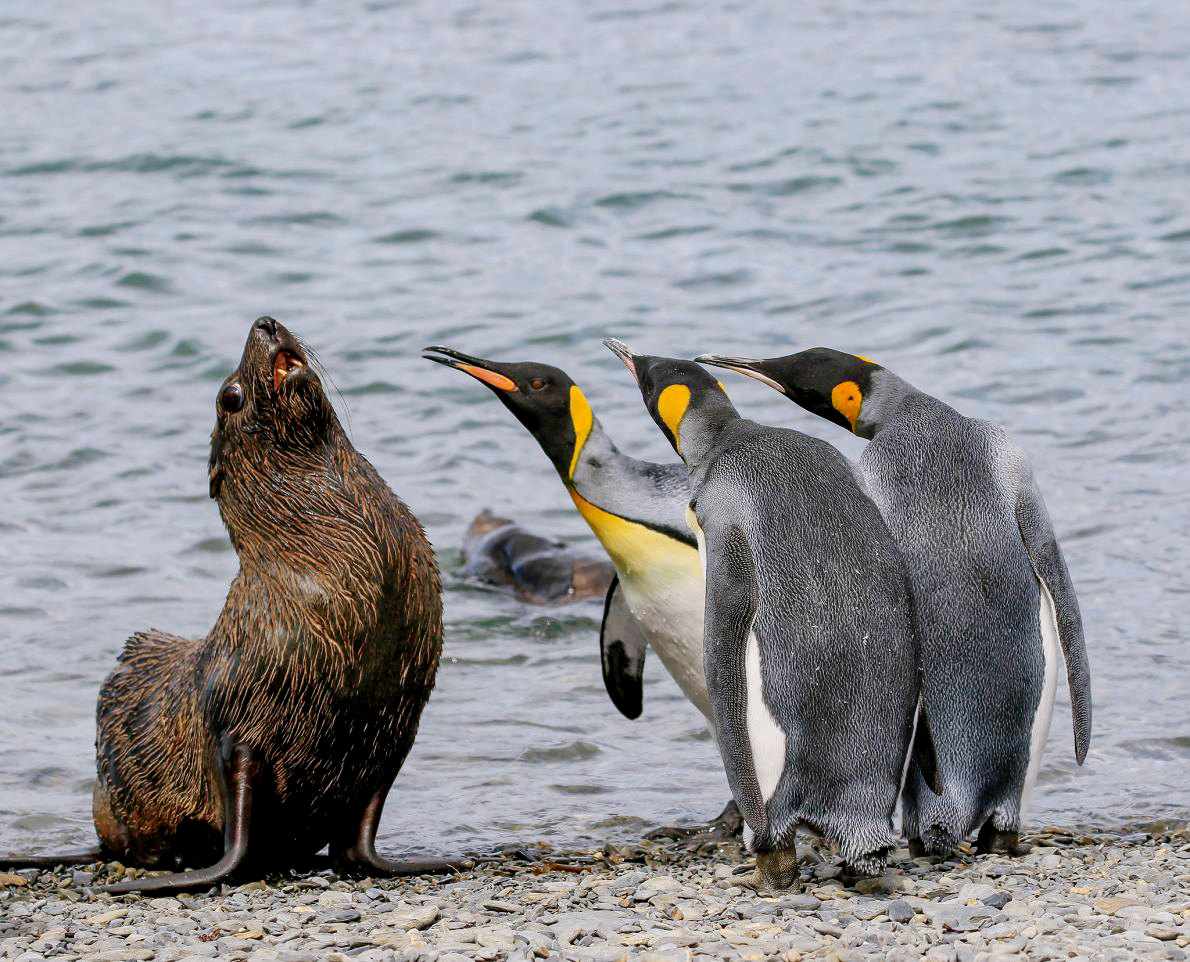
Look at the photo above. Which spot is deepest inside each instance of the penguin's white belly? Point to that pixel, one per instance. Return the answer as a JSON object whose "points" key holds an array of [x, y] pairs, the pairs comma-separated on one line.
{"points": [[662, 582], [668, 603], [1045, 707], [765, 737]]}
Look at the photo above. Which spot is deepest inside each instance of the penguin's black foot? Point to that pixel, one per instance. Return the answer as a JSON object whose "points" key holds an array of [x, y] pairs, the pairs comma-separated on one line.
{"points": [[936, 841], [774, 870], [992, 841], [868, 865], [916, 848], [728, 824]]}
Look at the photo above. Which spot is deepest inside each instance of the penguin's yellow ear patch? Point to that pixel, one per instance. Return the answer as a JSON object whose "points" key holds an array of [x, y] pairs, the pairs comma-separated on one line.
{"points": [[671, 406], [847, 399], [866, 359], [582, 419]]}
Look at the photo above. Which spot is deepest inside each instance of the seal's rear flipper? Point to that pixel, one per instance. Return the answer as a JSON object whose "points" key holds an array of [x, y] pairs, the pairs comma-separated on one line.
{"points": [[924, 754], [241, 772], [622, 647], [356, 855], [52, 861]]}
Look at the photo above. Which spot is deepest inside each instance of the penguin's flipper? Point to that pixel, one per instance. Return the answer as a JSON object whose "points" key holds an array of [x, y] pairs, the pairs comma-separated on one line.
{"points": [[622, 646], [924, 754], [1037, 533], [732, 598]]}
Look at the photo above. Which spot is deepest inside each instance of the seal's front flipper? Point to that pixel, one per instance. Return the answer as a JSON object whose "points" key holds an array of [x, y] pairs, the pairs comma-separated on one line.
{"points": [[52, 861], [622, 646], [924, 754], [241, 771], [359, 858]]}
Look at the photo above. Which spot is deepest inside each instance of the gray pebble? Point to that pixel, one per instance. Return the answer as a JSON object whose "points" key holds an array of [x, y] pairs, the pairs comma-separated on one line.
{"points": [[798, 903]]}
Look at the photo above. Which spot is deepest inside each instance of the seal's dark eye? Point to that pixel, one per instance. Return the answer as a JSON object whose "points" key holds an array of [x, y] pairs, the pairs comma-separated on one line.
{"points": [[537, 383], [231, 398]]}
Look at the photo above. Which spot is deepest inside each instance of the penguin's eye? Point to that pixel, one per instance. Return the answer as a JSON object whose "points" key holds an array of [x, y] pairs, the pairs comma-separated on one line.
{"points": [[231, 398], [537, 383]]}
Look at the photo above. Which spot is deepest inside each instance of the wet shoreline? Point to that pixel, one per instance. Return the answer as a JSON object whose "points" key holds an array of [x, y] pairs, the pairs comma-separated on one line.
{"points": [[1104, 895]]}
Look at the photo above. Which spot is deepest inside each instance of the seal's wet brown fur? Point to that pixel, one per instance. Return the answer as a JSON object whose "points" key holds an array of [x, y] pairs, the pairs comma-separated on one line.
{"points": [[319, 664]]}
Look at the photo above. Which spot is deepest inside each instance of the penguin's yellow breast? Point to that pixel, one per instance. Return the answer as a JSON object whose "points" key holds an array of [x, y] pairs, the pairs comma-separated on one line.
{"points": [[639, 552]]}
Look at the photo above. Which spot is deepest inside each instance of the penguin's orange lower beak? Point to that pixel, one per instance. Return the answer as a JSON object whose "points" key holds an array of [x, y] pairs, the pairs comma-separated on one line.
{"points": [[477, 367]]}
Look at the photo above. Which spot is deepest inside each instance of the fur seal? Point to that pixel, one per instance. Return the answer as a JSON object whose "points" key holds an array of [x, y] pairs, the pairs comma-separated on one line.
{"points": [[497, 551], [282, 730]]}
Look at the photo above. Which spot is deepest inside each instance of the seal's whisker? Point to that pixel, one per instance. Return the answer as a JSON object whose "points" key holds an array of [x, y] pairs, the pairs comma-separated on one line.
{"points": [[325, 377]]}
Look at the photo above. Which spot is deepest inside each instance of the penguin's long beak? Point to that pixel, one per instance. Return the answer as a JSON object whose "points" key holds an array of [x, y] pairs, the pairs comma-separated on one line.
{"points": [[751, 366], [477, 367], [624, 353]]}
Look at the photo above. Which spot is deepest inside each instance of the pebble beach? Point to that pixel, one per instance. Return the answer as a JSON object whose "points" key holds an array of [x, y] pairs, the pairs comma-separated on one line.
{"points": [[1075, 895]]}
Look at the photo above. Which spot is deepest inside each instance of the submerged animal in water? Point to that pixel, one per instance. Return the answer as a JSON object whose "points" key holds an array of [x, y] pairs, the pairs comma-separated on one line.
{"points": [[498, 551]]}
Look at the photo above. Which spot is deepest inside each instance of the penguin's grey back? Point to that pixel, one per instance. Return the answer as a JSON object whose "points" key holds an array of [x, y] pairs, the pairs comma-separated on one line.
{"points": [[947, 486], [834, 624]]}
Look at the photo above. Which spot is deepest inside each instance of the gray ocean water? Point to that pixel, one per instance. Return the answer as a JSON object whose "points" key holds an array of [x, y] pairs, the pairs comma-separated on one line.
{"points": [[990, 199]]}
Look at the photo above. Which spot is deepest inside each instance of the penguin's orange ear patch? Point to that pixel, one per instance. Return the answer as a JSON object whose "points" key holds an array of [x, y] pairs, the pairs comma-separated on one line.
{"points": [[498, 381], [847, 399], [867, 360]]}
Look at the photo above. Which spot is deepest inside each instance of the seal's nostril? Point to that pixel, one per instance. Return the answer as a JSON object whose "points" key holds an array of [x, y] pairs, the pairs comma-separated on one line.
{"points": [[268, 325]]}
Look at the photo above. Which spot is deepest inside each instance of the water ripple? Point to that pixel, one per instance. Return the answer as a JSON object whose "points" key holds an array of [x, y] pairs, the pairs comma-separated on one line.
{"points": [[988, 198]]}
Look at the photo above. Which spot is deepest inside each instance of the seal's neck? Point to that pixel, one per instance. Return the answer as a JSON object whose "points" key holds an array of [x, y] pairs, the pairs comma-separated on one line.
{"points": [[323, 552]]}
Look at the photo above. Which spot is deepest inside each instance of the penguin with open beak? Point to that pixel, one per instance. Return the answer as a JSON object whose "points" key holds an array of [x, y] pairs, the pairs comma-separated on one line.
{"points": [[810, 652], [636, 510]]}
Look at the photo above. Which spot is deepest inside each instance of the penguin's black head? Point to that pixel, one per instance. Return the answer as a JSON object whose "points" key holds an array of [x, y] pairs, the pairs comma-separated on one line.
{"points": [[543, 398], [673, 389], [828, 383]]}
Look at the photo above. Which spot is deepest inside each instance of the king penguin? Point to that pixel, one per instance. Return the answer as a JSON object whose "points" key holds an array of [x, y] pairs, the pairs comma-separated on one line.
{"points": [[636, 510], [993, 597], [809, 648]]}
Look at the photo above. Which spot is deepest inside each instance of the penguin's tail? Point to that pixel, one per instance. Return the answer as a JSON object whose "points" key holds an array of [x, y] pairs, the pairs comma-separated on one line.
{"points": [[924, 754]]}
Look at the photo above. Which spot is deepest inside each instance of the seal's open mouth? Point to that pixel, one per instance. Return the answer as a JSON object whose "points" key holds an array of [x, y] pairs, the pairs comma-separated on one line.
{"points": [[284, 364]]}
